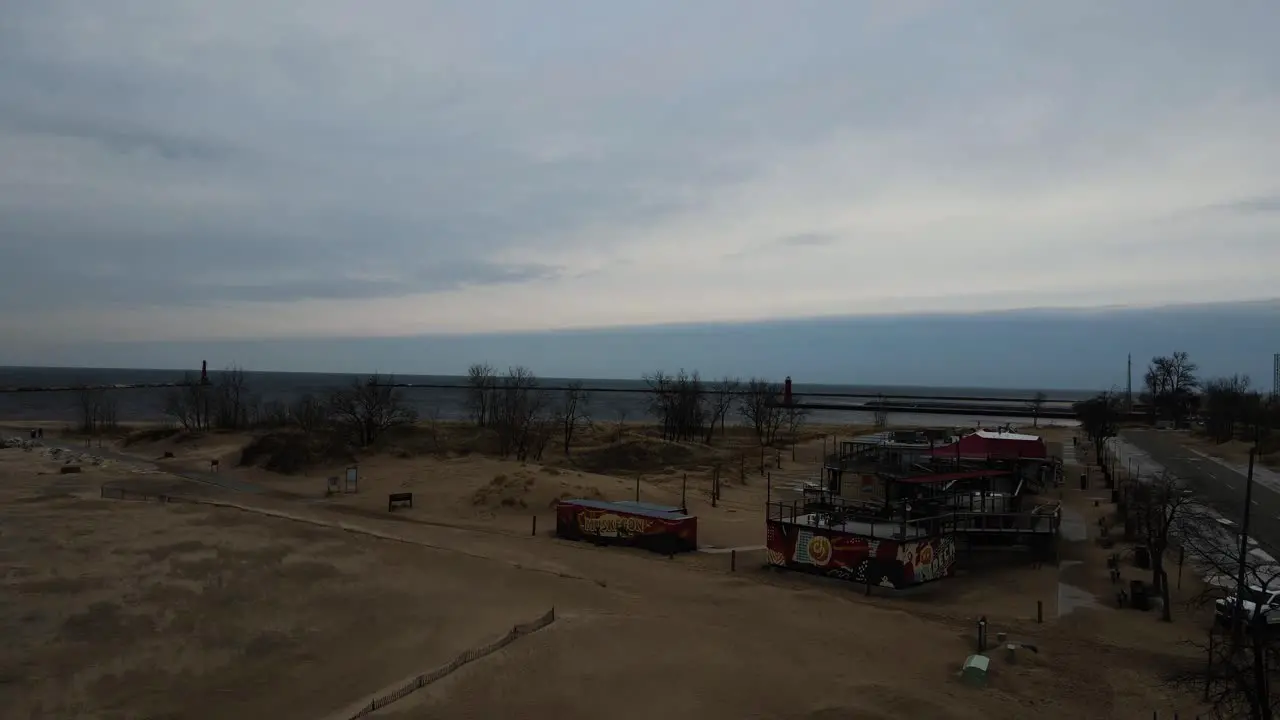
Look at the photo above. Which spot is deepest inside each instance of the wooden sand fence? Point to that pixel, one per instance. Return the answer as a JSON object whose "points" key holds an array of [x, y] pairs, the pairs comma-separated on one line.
{"points": [[472, 655]]}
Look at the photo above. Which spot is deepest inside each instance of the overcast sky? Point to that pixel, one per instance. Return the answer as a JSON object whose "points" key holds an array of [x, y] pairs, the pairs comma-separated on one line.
{"points": [[183, 170]]}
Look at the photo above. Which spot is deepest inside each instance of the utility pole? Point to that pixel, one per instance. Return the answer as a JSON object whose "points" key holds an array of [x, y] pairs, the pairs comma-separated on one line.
{"points": [[1237, 625], [1128, 394], [1275, 377]]}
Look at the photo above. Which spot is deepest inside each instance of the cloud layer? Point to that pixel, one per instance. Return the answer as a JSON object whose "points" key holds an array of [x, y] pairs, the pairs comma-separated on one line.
{"points": [[191, 170]]}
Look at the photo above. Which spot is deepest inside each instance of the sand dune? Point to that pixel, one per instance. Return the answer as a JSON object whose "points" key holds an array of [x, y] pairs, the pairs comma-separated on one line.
{"points": [[130, 609]]}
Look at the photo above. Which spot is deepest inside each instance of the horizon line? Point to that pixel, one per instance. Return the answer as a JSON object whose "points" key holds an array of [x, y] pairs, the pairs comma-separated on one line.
{"points": [[708, 379]]}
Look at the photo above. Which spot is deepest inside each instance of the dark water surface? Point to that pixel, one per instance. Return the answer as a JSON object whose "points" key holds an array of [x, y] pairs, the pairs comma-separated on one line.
{"points": [[147, 404]]}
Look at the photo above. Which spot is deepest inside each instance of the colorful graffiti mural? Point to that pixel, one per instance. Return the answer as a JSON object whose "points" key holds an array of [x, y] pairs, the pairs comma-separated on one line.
{"points": [[575, 519], [857, 558]]}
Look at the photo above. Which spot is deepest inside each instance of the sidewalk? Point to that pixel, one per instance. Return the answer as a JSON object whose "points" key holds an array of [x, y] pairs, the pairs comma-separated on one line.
{"points": [[1143, 464]]}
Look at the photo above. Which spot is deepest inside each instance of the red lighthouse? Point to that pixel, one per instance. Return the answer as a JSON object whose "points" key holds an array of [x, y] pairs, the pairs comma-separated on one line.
{"points": [[786, 391]]}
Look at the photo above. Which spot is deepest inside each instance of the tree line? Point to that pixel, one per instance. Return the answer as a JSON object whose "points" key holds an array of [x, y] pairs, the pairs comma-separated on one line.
{"points": [[525, 417], [357, 413], [1225, 408], [1161, 514], [690, 408]]}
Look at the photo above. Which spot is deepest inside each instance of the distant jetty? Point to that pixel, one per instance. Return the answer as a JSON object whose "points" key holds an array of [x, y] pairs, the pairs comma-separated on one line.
{"points": [[890, 401], [929, 406], [974, 405]]}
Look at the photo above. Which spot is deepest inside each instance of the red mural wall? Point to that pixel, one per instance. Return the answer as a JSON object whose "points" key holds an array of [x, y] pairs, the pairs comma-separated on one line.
{"points": [[575, 521], [888, 563]]}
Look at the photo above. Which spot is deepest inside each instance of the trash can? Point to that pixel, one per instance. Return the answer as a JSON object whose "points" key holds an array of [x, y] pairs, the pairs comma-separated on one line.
{"points": [[1142, 557], [1138, 595]]}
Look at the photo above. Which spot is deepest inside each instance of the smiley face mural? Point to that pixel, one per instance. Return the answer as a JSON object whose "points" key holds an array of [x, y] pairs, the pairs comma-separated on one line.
{"points": [[861, 559]]}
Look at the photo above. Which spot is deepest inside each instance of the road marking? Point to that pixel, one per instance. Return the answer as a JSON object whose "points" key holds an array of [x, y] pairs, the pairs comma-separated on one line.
{"points": [[1255, 502]]}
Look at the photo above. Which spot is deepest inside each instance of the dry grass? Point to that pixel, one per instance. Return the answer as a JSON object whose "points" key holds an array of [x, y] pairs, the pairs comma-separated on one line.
{"points": [[124, 609]]}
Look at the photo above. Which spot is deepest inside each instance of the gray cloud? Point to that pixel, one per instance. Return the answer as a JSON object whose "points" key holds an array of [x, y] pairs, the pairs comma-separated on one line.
{"points": [[117, 137], [431, 278], [808, 240], [1254, 205], [799, 241], [191, 153], [141, 271]]}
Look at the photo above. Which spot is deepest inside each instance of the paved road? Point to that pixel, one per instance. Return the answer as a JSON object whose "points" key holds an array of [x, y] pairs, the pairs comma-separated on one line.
{"points": [[1216, 485]]}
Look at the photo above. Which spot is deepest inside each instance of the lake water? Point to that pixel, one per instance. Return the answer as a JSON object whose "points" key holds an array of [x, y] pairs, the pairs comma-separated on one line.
{"points": [[627, 399]]}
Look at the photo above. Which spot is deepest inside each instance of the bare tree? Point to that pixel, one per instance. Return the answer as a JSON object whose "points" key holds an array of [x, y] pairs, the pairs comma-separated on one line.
{"points": [[793, 419], [1037, 404], [622, 424], [1158, 506], [1236, 679], [366, 409], [572, 413], [433, 428], [274, 414], [97, 409], [722, 397], [88, 399], [310, 414], [1099, 417], [188, 404], [482, 391], [542, 428], [231, 401], [519, 415], [1230, 410], [761, 409], [1171, 385], [108, 412], [680, 403]]}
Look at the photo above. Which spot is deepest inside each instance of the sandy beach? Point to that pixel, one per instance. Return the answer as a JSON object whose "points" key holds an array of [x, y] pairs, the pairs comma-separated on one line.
{"points": [[285, 603]]}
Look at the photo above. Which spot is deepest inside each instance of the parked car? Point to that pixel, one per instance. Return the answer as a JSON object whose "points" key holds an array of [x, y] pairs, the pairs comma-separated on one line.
{"points": [[1256, 601]]}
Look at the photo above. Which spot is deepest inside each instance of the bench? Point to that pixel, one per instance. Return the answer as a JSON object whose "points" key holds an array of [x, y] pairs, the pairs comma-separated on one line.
{"points": [[395, 499]]}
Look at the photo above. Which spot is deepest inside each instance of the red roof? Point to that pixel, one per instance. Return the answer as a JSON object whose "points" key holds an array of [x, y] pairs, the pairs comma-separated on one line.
{"points": [[949, 477], [989, 445]]}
